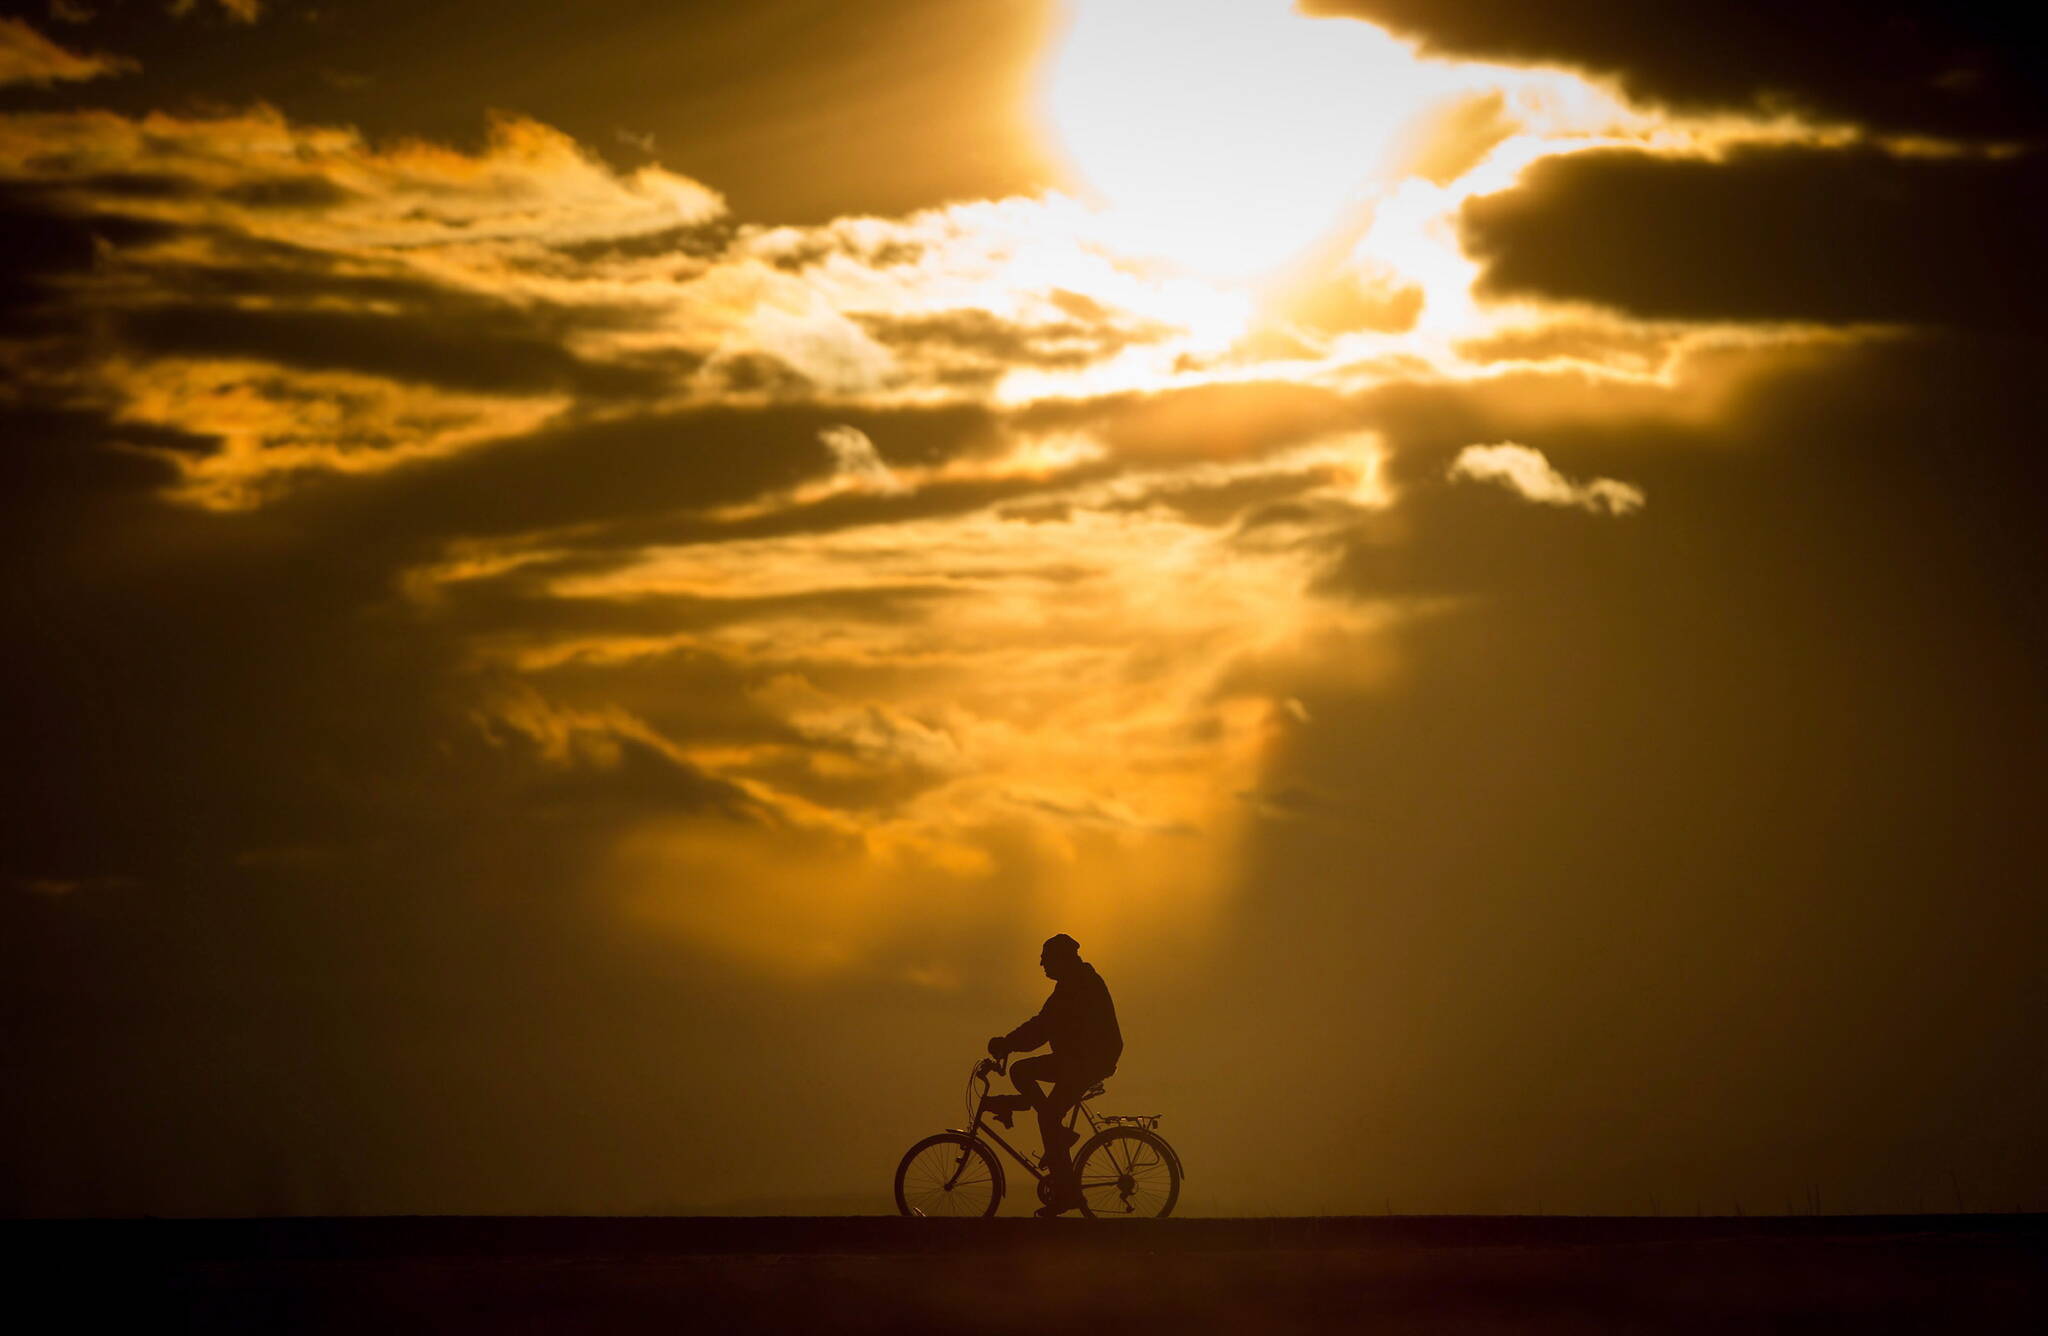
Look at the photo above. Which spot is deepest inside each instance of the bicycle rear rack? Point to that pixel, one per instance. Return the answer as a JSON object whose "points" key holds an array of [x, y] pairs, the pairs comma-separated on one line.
{"points": [[1149, 1120]]}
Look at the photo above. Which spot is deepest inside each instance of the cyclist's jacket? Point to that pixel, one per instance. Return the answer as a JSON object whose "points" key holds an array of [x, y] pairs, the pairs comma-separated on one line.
{"points": [[1079, 1021]]}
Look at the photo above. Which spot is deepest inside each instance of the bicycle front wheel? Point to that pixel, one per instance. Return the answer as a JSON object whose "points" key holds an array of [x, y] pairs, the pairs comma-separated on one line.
{"points": [[949, 1174], [1128, 1173]]}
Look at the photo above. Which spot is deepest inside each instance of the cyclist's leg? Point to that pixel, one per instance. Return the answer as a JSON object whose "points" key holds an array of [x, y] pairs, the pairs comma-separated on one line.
{"points": [[1065, 1094], [1026, 1073]]}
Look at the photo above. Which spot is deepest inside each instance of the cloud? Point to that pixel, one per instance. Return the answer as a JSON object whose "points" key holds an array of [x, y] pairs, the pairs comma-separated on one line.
{"points": [[1349, 300], [972, 345], [328, 187], [605, 471], [1527, 473], [1225, 420], [853, 454], [1457, 137], [476, 349], [1971, 69], [1777, 233], [28, 57], [295, 301], [1635, 346], [315, 303], [241, 11], [613, 483], [821, 345]]}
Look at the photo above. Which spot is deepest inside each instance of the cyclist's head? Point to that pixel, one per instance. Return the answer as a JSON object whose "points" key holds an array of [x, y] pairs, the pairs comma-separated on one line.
{"points": [[1060, 953]]}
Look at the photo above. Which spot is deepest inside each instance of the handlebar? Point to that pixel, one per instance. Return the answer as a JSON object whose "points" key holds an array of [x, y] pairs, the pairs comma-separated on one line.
{"points": [[981, 1071]]}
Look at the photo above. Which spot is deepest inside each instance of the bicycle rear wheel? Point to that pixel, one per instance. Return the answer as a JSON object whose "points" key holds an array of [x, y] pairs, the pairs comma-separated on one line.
{"points": [[949, 1174], [1128, 1173]]}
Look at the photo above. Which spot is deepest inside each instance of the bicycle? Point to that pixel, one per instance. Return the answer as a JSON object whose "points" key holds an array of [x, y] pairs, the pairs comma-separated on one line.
{"points": [[1125, 1168]]}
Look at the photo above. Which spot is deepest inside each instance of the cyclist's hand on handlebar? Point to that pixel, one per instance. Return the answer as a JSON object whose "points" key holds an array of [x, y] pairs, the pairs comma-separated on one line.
{"points": [[999, 1048]]}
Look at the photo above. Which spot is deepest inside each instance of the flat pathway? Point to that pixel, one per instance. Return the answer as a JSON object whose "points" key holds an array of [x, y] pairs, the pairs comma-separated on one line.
{"points": [[1184, 1277]]}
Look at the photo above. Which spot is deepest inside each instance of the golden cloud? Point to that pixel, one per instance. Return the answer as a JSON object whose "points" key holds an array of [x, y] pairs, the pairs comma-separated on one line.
{"points": [[28, 57], [964, 555]]}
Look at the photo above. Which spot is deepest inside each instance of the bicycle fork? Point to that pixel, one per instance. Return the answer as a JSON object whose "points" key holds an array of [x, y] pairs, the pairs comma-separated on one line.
{"points": [[959, 1169]]}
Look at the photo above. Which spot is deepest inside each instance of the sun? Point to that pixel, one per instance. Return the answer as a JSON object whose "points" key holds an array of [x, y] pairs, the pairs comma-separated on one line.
{"points": [[1230, 136]]}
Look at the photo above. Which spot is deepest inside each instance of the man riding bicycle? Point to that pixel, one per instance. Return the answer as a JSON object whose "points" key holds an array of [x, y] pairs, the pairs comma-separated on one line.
{"points": [[1079, 1021]]}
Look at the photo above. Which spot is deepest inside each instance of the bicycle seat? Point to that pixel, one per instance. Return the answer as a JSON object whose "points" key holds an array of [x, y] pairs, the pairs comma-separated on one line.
{"points": [[1093, 1092]]}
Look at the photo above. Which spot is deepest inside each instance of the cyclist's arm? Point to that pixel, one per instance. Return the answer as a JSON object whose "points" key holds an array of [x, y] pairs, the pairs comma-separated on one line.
{"points": [[1029, 1035], [1038, 1030]]}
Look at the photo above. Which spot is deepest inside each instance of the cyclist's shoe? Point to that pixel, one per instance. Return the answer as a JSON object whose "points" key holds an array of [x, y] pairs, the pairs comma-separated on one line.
{"points": [[1004, 1108], [1060, 1204]]}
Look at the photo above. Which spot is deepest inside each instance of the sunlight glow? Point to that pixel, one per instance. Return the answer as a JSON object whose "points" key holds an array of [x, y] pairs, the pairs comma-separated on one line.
{"points": [[1231, 137]]}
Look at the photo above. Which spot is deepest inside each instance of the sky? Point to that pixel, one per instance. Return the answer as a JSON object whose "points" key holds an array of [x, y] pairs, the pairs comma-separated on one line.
{"points": [[586, 583]]}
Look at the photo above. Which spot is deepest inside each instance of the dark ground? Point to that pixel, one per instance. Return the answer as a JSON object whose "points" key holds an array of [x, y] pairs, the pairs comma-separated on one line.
{"points": [[879, 1274]]}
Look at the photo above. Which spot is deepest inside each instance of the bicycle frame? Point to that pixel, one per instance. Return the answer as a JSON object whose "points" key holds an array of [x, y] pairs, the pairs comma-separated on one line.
{"points": [[1096, 1122], [1122, 1154]]}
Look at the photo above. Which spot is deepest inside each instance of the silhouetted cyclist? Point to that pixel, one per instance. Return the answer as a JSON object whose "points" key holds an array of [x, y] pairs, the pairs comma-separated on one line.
{"points": [[1079, 1021]]}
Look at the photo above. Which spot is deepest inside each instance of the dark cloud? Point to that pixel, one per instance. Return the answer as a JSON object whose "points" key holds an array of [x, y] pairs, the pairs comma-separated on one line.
{"points": [[272, 192], [42, 249], [302, 192], [460, 350], [981, 334], [610, 483], [845, 510], [985, 339], [279, 275], [909, 104], [1972, 69], [1849, 449], [61, 464], [756, 373], [807, 250], [696, 240], [215, 683], [1650, 803], [91, 279], [1241, 501], [1774, 234]]}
